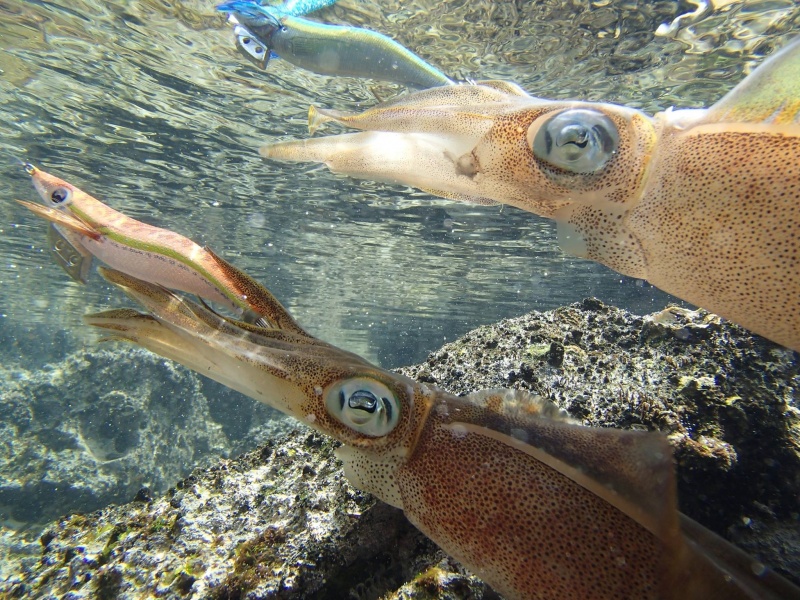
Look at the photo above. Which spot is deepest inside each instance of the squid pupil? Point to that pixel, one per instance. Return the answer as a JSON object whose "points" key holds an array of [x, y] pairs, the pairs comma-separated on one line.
{"points": [[363, 400], [584, 139], [577, 135], [580, 144]]}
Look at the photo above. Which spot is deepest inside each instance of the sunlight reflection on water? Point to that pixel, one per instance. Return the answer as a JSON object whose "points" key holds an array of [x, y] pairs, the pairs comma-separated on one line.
{"points": [[147, 106]]}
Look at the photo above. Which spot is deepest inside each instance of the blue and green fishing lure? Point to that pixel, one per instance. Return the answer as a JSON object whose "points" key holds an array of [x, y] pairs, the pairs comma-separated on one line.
{"points": [[264, 31]]}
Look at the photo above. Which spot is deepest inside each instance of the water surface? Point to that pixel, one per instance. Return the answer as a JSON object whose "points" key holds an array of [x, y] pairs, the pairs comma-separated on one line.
{"points": [[147, 106]]}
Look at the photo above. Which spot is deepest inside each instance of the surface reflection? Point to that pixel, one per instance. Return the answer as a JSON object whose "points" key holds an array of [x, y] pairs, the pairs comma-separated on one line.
{"points": [[148, 107]]}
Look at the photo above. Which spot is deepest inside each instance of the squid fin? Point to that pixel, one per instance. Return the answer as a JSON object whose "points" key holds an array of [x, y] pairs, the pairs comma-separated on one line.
{"points": [[770, 94], [631, 470], [508, 87]]}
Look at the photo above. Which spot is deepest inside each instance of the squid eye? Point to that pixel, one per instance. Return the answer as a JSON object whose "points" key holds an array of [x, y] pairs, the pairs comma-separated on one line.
{"points": [[577, 140], [365, 405], [60, 195]]}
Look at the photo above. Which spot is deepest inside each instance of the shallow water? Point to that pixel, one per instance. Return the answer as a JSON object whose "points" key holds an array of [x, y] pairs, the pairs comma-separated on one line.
{"points": [[148, 106]]}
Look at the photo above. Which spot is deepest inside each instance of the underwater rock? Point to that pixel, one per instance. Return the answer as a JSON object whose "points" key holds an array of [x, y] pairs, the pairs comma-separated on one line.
{"points": [[283, 522], [97, 426], [279, 522]]}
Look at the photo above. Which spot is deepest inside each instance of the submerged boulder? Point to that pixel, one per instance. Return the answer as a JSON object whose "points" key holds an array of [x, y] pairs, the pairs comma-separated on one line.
{"points": [[97, 426]]}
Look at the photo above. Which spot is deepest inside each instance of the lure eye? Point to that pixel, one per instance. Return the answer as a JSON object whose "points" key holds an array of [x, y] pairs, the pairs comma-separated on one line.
{"points": [[365, 405], [60, 195], [577, 140]]}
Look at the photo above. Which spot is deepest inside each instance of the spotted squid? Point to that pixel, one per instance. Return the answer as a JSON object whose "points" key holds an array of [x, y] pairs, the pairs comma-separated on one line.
{"points": [[702, 203], [537, 505]]}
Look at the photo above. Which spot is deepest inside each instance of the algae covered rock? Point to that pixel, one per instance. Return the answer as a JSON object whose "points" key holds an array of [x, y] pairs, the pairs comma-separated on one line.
{"points": [[279, 522], [99, 425]]}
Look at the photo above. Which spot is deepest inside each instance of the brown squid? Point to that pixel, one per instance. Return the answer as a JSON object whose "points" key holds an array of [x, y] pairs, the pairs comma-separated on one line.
{"points": [[704, 204]]}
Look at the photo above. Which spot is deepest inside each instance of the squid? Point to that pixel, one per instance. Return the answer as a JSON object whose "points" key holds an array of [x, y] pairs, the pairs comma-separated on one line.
{"points": [[702, 203], [537, 505]]}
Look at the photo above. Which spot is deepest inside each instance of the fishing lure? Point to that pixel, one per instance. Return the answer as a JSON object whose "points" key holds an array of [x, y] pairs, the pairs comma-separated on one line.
{"points": [[267, 31], [83, 228]]}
